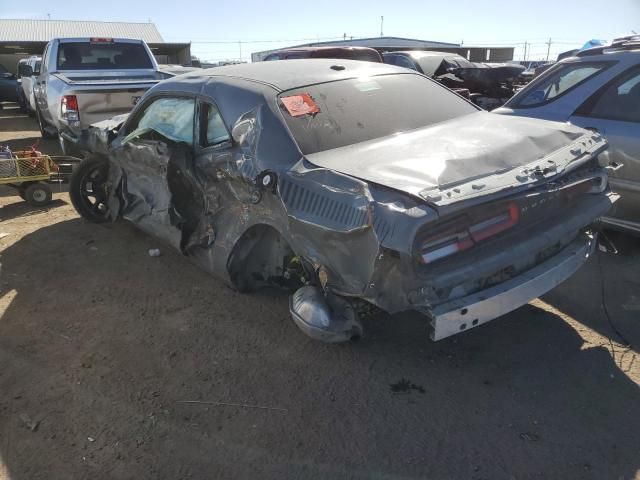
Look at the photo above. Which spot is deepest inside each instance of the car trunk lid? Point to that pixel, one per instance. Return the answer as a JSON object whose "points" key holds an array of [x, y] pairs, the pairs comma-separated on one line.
{"points": [[466, 157]]}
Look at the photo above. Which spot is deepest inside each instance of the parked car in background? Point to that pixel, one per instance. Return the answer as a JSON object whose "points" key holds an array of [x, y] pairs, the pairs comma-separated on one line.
{"points": [[489, 84], [348, 53], [85, 80], [174, 70], [364, 184], [598, 89], [28, 71], [8, 86]]}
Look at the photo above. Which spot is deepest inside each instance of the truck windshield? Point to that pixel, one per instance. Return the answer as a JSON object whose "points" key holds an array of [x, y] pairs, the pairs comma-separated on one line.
{"points": [[336, 114], [102, 56]]}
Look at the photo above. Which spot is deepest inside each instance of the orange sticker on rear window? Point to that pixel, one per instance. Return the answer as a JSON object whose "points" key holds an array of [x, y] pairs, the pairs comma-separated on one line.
{"points": [[298, 105]]}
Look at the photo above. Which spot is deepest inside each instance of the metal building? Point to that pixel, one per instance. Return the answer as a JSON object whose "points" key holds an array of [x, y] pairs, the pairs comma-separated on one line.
{"points": [[21, 38], [389, 44]]}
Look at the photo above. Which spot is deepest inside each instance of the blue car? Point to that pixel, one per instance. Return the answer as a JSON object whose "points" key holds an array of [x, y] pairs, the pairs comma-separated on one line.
{"points": [[8, 86]]}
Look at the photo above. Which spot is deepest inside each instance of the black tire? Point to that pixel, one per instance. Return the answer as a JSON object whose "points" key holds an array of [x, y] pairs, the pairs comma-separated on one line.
{"points": [[89, 189], [42, 125], [22, 103], [38, 194]]}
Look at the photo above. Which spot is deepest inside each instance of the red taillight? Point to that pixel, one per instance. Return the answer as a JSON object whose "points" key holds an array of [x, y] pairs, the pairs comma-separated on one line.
{"points": [[455, 240], [69, 108]]}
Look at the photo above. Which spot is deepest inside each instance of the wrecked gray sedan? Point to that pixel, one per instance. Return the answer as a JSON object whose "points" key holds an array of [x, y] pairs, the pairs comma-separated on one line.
{"points": [[352, 184]]}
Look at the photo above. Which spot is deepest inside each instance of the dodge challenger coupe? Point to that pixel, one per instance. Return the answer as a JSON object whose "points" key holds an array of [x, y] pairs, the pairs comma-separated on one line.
{"points": [[352, 184]]}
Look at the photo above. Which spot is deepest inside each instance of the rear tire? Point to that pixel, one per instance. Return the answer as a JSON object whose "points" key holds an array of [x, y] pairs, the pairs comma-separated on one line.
{"points": [[89, 189], [38, 194], [42, 125]]}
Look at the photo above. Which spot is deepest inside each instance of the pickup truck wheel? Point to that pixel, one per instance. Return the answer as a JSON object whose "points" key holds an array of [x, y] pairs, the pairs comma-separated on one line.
{"points": [[42, 125], [89, 189], [38, 194]]}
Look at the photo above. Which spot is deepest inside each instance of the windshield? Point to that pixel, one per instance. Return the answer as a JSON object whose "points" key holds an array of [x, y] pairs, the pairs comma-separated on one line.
{"points": [[557, 82], [336, 114], [102, 56]]}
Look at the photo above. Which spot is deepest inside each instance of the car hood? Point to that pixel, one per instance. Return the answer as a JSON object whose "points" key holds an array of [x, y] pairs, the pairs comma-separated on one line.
{"points": [[465, 157]]}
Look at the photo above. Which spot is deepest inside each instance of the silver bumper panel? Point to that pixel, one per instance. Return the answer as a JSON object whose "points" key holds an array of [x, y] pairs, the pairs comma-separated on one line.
{"points": [[464, 313]]}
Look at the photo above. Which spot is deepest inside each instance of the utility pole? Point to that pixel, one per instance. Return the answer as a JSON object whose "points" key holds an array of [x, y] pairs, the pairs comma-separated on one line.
{"points": [[548, 48], [524, 57], [381, 25], [240, 47]]}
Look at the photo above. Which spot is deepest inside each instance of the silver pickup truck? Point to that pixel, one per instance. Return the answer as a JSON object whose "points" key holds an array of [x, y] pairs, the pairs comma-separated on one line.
{"points": [[87, 80]]}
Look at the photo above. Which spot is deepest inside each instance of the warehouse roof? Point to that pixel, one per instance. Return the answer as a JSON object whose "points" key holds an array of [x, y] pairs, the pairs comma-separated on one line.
{"points": [[15, 30]]}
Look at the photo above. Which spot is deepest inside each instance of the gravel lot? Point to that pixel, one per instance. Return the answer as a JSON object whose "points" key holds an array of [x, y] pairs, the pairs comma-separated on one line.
{"points": [[102, 346]]}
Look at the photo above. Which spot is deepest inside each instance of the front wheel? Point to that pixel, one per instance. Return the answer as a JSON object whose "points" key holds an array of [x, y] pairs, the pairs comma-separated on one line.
{"points": [[89, 189]]}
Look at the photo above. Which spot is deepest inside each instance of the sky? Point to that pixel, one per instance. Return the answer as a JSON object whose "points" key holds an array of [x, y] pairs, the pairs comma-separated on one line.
{"points": [[216, 28]]}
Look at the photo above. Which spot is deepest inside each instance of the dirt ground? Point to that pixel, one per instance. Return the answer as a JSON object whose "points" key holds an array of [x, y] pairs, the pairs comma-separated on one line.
{"points": [[117, 365]]}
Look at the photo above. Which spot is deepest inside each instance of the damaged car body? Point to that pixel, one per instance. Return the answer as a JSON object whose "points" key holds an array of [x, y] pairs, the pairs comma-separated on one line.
{"points": [[352, 184]]}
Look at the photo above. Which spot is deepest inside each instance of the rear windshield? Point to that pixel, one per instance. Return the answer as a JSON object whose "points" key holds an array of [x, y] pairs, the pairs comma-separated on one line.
{"points": [[345, 112], [102, 56]]}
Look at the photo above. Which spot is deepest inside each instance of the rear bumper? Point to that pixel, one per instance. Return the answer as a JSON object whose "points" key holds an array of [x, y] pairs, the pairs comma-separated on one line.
{"points": [[464, 313]]}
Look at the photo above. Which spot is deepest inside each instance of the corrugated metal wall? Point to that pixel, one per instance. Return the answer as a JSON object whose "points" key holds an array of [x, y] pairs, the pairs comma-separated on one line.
{"points": [[45, 30]]}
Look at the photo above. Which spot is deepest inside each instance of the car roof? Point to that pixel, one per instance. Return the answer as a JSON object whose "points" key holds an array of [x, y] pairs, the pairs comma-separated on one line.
{"points": [[426, 53], [287, 74], [323, 49]]}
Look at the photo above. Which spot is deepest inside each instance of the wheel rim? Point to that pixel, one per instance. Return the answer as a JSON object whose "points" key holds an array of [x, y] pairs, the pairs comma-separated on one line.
{"points": [[94, 190], [39, 196]]}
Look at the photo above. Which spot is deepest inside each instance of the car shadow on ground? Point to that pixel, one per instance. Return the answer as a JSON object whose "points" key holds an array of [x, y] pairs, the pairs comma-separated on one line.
{"points": [[102, 345]]}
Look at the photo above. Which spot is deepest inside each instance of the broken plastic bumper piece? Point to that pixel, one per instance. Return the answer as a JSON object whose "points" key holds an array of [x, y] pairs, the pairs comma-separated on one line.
{"points": [[464, 313], [326, 318]]}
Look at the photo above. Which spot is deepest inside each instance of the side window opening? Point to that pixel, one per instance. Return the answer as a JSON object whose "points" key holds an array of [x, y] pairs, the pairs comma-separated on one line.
{"points": [[212, 128], [170, 117], [618, 100]]}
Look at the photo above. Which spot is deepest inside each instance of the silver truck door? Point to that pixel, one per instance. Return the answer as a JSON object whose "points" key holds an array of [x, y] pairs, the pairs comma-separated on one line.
{"points": [[40, 88], [615, 112]]}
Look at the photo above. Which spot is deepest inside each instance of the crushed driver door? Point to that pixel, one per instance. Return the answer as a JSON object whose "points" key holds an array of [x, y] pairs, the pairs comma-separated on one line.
{"points": [[158, 190]]}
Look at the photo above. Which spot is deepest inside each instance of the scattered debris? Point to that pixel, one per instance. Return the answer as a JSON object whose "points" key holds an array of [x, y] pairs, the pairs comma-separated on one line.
{"points": [[28, 422], [406, 386], [154, 252], [91, 439], [226, 404], [4, 234]]}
